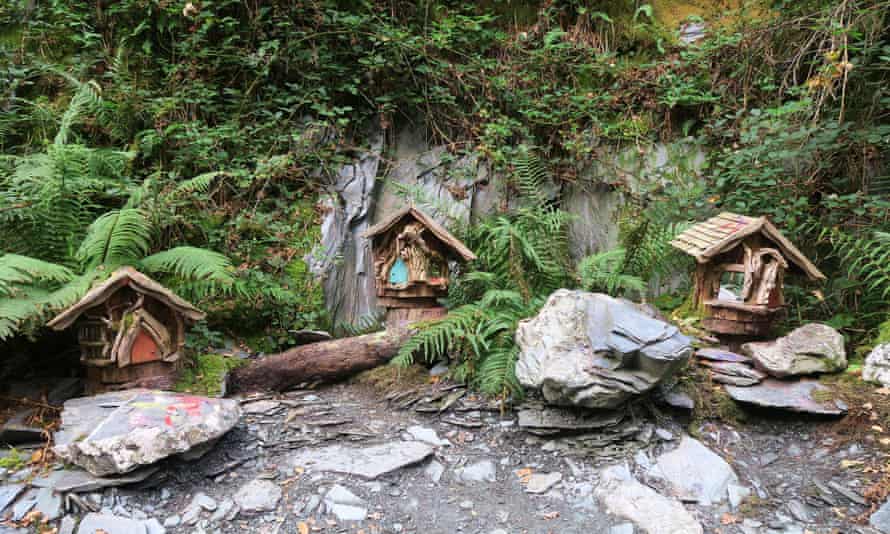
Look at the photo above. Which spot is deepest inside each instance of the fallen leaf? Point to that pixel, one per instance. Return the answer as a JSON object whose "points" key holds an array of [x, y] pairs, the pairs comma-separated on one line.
{"points": [[728, 519], [303, 528], [877, 428], [883, 391], [524, 474], [550, 515], [847, 464]]}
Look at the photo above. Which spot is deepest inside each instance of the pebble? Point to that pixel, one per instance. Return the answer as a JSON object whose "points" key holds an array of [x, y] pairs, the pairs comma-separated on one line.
{"points": [[466, 505], [172, 521]]}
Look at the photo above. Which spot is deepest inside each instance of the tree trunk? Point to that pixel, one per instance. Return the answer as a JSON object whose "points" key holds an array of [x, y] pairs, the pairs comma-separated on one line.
{"points": [[323, 361]]}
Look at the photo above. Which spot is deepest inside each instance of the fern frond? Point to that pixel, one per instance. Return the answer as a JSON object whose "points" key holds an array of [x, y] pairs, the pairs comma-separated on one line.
{"points": [[190, 263], [21, 270], [199, 184], [116, 238]]}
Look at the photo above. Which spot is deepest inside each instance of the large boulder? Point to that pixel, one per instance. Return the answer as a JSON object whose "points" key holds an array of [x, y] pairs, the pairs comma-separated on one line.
{"points": [[811, 348], [877, 368], [118, 432], [592, 350]]}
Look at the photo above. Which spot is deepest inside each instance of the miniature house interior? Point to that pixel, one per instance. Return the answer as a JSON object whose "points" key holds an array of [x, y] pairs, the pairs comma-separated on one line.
{"points": [[411, 255], [741, 264], [130, 330]]}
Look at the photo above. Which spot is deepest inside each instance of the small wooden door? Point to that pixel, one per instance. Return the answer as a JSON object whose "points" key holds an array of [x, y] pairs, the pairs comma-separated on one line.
{"points": [[144, 348]]}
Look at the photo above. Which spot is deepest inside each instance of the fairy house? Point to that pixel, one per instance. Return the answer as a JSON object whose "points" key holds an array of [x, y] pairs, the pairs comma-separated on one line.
{"points": [[411, 255], [131, 331], [741, 264]]}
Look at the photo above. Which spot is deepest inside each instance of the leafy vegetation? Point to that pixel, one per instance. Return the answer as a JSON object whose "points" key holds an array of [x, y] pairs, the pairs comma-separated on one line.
{"points": [[194, 139], [204, 374]]}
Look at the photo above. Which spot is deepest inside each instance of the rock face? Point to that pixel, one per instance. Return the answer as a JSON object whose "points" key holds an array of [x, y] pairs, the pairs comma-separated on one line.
{"points": [[812, 348], [118, 432], [369, 462], [877, 366], [695, 473], [591, 350], [794, 396], [881, 518], [624, 497]]}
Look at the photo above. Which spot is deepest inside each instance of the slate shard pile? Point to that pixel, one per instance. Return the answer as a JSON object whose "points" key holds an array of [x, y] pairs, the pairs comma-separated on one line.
{"points": [[115, 433], [594, 351], [769, 374]]}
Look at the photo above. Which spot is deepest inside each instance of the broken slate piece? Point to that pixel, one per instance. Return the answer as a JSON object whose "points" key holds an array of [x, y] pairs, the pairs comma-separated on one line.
{"points": [[541, 482], [735, 374], [258, 496], [344, 504], [76, 480], [551, 420], [794, 396], [367, 462], [115, 433], [110, 524], [8, 493], [426, 435], [695, 473], [49, 504], [720, 355], [482, 471], [623, 496]]}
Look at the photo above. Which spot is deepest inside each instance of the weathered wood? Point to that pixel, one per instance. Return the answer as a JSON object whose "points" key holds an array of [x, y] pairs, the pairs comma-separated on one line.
{"points": [[318, 362]]}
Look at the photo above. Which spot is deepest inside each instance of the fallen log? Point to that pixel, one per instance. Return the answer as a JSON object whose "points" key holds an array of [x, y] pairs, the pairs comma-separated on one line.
{"points": [[324, 361]]}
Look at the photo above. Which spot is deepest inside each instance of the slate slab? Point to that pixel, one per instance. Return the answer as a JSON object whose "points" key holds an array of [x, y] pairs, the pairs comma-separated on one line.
{"points": [[8, 493], [367, 462], [258, 496], [695, 472], [110, 524], [76, 480], [794, 396], [720, 355]]}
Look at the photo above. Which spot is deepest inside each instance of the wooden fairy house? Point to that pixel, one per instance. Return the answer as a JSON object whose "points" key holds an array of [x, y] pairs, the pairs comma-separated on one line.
{"points": [[131, 331], [411, 255], [741, 264]]}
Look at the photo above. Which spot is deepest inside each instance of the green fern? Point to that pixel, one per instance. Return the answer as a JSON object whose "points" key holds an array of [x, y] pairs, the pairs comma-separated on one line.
{"points": [[119, 237], [603, 272]]}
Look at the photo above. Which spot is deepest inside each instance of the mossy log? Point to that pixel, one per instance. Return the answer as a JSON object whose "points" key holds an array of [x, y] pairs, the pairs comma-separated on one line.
{"points": [[318, 362]]}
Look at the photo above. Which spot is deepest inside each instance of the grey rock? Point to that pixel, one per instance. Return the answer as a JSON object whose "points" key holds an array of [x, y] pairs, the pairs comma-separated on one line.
{"points": [[466, 505], [260, 407], [344, 504], [768, 458], [695, 473], [678, 399], [799, 511], [223, 510], [258, 496], [811, 348], [439, 369], [735, 374], [548, 420], [49, 504], [27, 501], [664, 434], [434, 470], [67, 525], [623, 528], [426, 435], [720, 355], [16, 429], [623, 496], [796, 396], [204, 501], [541, 482], [118, 432], [881, 518], [75, 480], [153, 526], [736, 495], [8, 493], [877, 365], [592, 350], [172, 521], [367, 462], [482, 471], [110, 524], [848, 493]]}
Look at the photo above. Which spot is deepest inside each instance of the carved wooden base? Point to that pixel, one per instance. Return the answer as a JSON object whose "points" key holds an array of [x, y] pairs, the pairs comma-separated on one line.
{"points": [[157, 374], [400, 317]]}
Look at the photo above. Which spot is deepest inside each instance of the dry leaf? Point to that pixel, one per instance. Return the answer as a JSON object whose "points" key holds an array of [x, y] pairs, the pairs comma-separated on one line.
{"points": [[303, 528], [550, 515], [728, 519], [524, 474], [883, 391], [877, 428], [847, 464]]}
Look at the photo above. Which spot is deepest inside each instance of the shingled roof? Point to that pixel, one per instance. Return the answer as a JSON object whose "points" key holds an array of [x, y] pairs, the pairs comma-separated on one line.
{"points": [[718, 234], [434, 227], [125, 276]]}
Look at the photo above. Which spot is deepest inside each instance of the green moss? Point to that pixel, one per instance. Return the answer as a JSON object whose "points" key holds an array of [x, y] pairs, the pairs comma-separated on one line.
{"points": [[13, 461], [205, 373]]}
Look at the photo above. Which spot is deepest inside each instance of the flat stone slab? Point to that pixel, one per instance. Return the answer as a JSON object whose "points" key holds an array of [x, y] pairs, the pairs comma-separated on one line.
{"points": [[79, 481], [720, 355], [551, 420], [258, 496], [114, 433], [367, 462], [695, 472], [110, 524], [795, 396], [623, 496], [541, 482], [8, 493]]}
